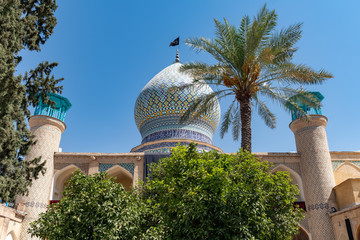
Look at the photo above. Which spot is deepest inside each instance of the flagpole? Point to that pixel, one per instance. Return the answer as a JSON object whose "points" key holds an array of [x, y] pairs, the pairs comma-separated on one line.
{"points": [[174, 43]]}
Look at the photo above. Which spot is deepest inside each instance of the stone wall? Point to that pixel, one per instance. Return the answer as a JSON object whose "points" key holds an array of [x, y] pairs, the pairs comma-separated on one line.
{"points": [[133, 163], [10, 222], [338, 219]]}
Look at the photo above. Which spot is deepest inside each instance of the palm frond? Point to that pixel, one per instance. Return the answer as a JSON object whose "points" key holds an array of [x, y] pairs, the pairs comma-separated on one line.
{"points": [[267, 22], [264, 112], [242, 33], [229, 39], [276, 94], [284, 96], [227, 120], [304, 98], [202, 71], [201, 106], [203, 44], [260, 30], [236, 123], [282, 43], [253, 62], [244, 28], [299, 74]]}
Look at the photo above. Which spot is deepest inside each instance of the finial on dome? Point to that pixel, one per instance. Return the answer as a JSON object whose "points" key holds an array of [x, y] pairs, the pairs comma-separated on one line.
{"points": [[177, 58]]}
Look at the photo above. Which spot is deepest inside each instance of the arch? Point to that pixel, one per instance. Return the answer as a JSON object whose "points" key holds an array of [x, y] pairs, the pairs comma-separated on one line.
{"points": [[357, 236], [11, 236], [296, 179], [345, 171], [60, 179], [343, 236], [121, 176], [303, 234]]}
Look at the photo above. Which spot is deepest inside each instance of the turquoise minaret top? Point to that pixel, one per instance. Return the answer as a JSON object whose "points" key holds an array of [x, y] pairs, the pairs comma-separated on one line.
{"points": [[61, 106], [305, 105]]}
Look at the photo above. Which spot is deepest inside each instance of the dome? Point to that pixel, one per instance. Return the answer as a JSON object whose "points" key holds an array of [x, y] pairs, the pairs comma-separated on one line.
{"points": [[158, 111]]}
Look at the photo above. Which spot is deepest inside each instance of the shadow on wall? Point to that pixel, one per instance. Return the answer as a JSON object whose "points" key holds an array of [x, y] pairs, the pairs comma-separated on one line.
{"points": [[61, 177], [345, 171], [296, 180]]}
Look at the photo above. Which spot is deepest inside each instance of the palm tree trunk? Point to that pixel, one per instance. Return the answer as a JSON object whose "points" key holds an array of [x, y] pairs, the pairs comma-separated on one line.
{"points": [[245, 112]]}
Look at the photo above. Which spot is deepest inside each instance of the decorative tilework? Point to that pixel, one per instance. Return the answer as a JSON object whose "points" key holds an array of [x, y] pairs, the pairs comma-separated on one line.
{"points": [[166, 150], [171, 122], [165, 147], [306, 129], [293, 166], [177, 134], [158, 109], [336, 164], [36, 204], [159, 150], [48, 139], [128, 166], [84, 167], [318, 206], [317, 175], [357, 163]]}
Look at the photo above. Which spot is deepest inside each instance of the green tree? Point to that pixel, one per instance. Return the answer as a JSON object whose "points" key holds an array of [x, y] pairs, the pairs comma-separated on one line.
{"points": [[253, 61], [219, 196], [93, 207], [24, 25]]}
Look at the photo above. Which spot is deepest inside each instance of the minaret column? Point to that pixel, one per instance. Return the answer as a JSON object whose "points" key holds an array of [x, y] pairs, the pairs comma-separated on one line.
{"points": [[47, 131], [317, 173], [46, 125]]}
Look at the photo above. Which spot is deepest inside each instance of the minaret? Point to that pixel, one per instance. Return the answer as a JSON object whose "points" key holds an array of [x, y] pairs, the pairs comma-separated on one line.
{"points": [[315, 162], [47, 125]]}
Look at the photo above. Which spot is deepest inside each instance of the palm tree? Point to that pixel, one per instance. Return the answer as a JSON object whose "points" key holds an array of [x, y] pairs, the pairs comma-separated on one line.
{"points": [[253, 61]]}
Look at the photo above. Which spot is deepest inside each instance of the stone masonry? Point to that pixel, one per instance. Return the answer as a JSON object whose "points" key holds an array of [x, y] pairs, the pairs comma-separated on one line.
{"points": [[317, 172], [47, 131]]}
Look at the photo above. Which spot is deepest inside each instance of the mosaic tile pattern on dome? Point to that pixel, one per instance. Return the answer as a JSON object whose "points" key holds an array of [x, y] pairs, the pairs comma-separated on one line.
{"points": [[177, 134], [165, 147], [156, 101], [171, 122]]}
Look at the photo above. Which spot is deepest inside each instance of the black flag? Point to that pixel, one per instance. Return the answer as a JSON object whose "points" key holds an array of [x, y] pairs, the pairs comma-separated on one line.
{"points": [[175, 42]]}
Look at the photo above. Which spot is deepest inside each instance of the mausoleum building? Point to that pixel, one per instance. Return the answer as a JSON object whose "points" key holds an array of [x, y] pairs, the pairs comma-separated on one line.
{"points": [[329, 182]]}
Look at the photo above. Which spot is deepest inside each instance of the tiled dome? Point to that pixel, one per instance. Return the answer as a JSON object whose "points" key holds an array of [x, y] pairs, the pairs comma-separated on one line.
{"points": [[157, 111]]}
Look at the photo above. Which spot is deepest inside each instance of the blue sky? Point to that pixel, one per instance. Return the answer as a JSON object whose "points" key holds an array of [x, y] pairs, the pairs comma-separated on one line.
{"points": [[108, 50]]}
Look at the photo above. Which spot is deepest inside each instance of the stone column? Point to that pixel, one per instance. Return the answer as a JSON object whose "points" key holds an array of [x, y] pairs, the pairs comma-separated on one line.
{"points": [[47, 131], [318, 176]]}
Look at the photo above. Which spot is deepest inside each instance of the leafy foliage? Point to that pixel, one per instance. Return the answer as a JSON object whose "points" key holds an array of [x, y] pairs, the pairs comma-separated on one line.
{"points": [[253, 61], [196, 195], [190, 195], [93, 207], [24, 24]]}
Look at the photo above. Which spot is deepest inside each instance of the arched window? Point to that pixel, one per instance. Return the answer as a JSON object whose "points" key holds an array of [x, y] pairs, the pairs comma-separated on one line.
{"points": [[10, 236], [303, 235], [296, 180], [346, 171], [343, 236], [358, 233], [121, 176], [60, 179]]}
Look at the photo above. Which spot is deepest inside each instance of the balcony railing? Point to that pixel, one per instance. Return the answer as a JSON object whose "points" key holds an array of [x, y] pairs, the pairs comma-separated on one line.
{"points": [[49, 111]]}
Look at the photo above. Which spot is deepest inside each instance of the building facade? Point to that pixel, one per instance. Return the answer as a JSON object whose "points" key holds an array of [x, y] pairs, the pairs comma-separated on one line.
{"points": [[328, 182]]}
